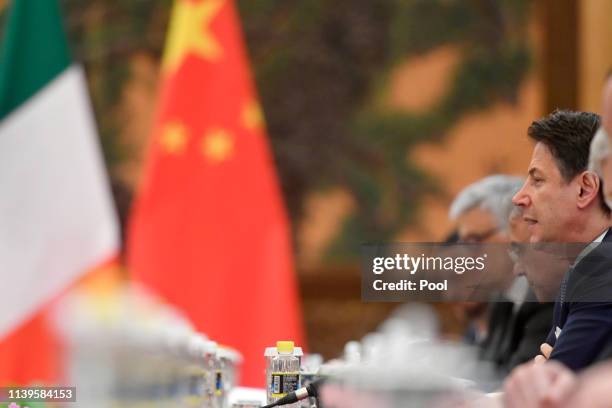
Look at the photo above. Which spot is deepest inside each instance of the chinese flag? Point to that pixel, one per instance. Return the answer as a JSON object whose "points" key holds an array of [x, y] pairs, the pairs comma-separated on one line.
{"points": [[208, 231]]}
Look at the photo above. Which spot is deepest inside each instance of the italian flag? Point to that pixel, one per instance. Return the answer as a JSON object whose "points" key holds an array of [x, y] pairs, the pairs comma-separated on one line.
{"points": [[57, 220]]}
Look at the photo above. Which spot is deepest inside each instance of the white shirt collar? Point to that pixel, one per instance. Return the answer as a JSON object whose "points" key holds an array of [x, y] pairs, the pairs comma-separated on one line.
{"points": [[601, 237], [587, 249]]}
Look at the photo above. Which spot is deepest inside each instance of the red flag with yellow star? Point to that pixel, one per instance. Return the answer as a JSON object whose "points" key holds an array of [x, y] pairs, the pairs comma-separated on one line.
{"points": [[209, 232]]}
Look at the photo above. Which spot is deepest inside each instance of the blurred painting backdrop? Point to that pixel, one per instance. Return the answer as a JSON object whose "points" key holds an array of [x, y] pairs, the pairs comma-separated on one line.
{"points": [[378, 112]]}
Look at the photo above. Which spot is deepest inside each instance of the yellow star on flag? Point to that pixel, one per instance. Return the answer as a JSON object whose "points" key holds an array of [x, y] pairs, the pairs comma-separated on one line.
{"points": [[190, 32], [217, 145], [173, 139], [252, 117]]}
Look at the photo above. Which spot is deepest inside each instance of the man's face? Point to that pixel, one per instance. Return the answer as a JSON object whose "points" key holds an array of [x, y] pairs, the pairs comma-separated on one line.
{"points": [[606, 169], [479, 226], [606, 116], [606, 119], [548, 201]]}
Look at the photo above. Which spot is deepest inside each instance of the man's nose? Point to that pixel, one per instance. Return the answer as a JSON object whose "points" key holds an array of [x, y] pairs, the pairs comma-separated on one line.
{"points": [[521, 198]]}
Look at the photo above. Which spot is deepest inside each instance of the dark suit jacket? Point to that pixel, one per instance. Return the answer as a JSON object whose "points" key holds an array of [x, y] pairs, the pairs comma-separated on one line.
{"points": [[526, 334], [515, 336], [583, 310]]}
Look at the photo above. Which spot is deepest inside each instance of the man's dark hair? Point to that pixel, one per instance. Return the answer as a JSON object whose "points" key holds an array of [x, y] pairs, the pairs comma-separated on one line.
{"points": [[568, 135]]}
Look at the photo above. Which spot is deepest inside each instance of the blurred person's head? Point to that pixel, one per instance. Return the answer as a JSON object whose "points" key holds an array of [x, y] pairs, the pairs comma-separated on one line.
{"points": [[600, 163], [606, 111], [561, 198], [606, 129], [482, 209], [590, 389]]}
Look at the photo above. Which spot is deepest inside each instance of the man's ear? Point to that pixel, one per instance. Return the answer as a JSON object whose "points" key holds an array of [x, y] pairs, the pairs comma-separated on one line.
{"points": [[589, 184]]}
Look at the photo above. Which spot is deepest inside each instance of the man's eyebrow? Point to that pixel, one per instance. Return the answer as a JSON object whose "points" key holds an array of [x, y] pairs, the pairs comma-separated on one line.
{"points": [[532, 171]]}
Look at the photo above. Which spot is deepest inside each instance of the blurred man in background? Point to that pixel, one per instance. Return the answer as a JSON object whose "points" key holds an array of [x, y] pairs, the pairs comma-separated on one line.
{"points": [[602, 150], [506, 331], [531, 321], [481, 214]]}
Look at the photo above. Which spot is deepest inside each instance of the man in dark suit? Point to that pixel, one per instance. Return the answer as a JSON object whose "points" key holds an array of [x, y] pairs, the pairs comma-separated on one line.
{"points": [[562, 202], [552, 384]]}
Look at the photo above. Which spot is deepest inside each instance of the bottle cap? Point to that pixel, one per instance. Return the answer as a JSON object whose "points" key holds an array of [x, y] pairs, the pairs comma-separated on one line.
{"points": [[285, 347]]}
